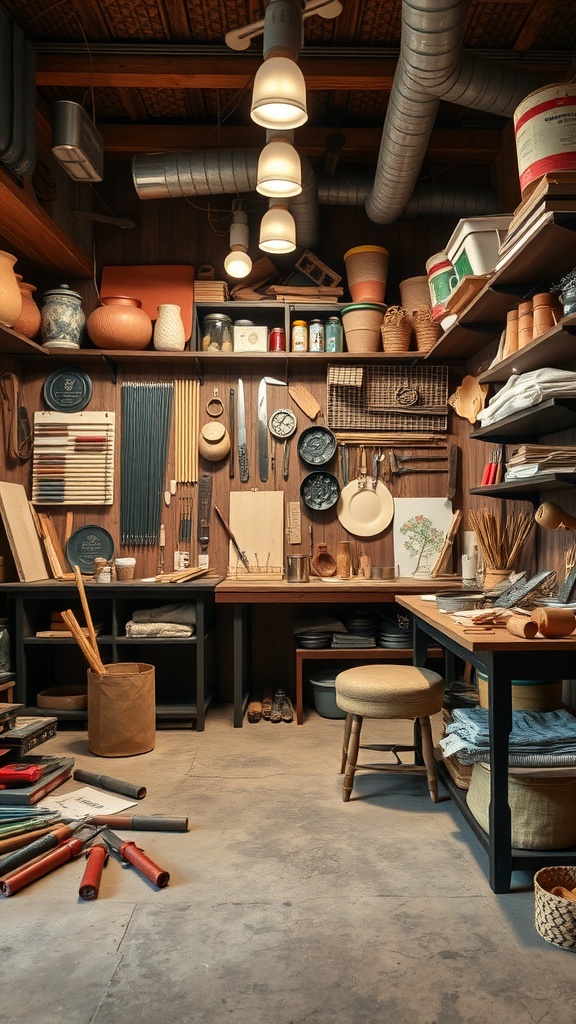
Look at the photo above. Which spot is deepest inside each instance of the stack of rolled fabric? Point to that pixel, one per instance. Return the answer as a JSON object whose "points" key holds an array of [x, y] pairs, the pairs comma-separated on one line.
{"points": [[538, 738], [168, 620]]}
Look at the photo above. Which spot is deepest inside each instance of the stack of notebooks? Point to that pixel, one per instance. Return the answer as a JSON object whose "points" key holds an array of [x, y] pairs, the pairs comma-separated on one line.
{"points": [[554, 193], [211, 291], [531, 459]]}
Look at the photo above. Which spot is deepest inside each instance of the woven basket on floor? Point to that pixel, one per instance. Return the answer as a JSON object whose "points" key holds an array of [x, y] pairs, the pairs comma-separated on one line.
{"points": [[396, 330], [555, 916], [425, 329]]}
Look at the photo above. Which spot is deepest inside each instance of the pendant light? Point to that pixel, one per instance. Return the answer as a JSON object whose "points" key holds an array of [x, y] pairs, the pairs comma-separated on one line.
{"points": [[279, 95], [277, 229], [279, 173], [238, 262]]}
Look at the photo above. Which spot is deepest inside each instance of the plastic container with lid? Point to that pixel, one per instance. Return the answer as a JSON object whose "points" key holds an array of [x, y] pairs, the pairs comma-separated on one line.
{"points": [[299, 341], [217, 334]]}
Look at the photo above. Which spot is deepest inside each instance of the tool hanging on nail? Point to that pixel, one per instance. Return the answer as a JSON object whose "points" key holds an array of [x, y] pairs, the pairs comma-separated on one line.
{"points": [[204, 504]]}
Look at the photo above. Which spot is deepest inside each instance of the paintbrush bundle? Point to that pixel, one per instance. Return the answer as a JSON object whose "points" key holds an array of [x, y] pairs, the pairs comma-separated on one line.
{"points": [[146, 414], [73, 458]]}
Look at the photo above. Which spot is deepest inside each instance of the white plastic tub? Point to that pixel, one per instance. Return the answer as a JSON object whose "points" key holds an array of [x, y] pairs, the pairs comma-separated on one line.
{"points": [[474, 244]]}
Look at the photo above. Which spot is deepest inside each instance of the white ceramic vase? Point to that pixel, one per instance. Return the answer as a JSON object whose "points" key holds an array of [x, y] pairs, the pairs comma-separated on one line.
{"points": [[169, 332]]}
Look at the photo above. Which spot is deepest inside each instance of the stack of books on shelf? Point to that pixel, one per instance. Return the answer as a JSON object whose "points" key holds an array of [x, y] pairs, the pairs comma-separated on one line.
{"points": [[554, 193], [527, 460], [211, 291]]}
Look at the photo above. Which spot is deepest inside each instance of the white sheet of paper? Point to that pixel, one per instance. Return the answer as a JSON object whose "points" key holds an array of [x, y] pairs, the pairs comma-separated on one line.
{"points": [[85, 801]]}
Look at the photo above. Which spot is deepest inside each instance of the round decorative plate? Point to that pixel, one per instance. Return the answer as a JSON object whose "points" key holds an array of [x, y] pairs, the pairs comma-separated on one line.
{"points": [[88, 543], [67, 389], [316, 445], [320, 491], [365, 511]]}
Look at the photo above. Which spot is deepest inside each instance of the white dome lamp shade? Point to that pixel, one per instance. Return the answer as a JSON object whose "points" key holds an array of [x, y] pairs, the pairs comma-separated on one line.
{"points": [[277, 229], [238, 262], [279, 95], [279, 170]]}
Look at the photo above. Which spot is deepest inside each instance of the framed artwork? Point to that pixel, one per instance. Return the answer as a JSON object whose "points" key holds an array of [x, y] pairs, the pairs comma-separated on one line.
{"points": [[420, 527]]}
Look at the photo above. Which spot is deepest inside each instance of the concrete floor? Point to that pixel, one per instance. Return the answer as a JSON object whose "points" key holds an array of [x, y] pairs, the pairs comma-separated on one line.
{"points": [[285, 905]]}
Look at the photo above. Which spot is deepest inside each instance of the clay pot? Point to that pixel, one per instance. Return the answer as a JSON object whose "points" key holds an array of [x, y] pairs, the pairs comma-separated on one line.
{"points": [[28, 323], [214, 442], [10, 296], [119, 323], [169, 332]]}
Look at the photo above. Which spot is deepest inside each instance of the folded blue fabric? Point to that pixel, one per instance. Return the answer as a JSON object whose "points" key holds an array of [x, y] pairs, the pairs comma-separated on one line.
{"points": [[537, 737]]}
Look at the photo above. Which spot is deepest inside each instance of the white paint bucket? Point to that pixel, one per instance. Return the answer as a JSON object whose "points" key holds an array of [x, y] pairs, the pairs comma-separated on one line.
{"points": [[545, 129]]}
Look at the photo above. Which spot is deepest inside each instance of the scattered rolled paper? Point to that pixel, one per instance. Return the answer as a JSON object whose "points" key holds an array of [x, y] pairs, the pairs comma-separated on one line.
{"points": [[554, 621], [519, 626]]}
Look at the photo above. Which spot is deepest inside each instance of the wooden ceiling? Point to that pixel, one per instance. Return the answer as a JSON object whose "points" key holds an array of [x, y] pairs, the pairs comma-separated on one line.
{"points": [[157, 75]]}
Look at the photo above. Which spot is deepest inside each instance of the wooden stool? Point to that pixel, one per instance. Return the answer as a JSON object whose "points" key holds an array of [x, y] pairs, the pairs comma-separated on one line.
{"points": [[389, 691]]}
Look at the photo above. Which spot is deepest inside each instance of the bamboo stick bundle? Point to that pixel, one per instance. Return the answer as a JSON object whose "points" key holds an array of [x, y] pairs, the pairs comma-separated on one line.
{"points": [[86, 610], [500, 541], [92, 658]]}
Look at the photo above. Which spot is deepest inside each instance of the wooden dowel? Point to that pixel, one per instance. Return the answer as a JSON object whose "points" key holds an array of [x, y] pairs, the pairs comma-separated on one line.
{"points": [[93, 659], [86, 609]]}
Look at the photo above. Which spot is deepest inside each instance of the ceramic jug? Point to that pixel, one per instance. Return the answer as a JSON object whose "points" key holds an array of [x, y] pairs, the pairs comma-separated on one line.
{"points": [[62, 318], [169, 332], [10, 296]]}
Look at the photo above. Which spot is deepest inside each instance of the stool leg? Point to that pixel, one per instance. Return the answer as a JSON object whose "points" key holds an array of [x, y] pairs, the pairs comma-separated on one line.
{"points": [[345, 741], [428, 756], [352, 757]]}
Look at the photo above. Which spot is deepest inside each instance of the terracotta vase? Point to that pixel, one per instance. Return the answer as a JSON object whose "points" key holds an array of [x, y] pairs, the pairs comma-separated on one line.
{"points": [[169, 332], [10, 295], [28, 323], [119, 323]]}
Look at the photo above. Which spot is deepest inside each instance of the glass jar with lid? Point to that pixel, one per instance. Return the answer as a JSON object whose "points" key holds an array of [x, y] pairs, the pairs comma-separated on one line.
{"points": [[333, 335], [299, 337], [217, 334]]}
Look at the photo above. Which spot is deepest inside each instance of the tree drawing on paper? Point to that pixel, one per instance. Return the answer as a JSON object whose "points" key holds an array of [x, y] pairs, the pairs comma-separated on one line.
{"points": [[422, 539]]}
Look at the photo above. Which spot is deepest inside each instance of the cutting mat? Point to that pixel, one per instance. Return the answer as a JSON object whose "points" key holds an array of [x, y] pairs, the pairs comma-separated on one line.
{"points": [[153, 285], [257, 522], [21, 532]]}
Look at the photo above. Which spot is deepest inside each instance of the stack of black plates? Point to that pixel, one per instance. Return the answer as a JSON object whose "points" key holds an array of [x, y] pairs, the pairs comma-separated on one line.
{"points": [[362, 624], [313, 639]]}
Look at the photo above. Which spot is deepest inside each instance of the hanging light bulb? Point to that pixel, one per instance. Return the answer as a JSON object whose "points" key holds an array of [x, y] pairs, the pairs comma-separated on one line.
{"points": [[279, 171], [238, 262], [279, 95], [277, 229]]}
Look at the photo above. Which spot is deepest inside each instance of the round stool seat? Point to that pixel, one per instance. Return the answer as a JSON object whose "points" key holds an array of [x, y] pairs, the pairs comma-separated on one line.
{"points": [[389, 691]]}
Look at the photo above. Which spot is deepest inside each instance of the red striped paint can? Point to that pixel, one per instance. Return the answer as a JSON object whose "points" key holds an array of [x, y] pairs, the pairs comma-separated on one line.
{"points": [[545, 130]]}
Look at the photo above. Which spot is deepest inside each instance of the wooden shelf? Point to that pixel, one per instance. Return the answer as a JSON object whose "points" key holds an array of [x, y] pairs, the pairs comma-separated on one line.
{"points": [[538, 263], [557, 347], [538, 420], [528, 489], [12, 343], [24, 224]]}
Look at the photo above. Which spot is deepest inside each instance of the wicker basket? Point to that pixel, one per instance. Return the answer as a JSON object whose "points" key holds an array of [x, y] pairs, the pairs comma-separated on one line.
{"points": [[555, 916], [426, 330], [396, 330]]}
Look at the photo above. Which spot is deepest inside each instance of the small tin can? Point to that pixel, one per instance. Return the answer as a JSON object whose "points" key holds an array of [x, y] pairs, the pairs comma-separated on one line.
{"points": [[316, 336], [333, 335], [277, 340], [299, 336]]}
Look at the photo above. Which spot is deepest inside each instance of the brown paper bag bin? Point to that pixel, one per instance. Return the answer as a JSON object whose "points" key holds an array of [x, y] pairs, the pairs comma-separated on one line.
{"points": [[122, 710]]}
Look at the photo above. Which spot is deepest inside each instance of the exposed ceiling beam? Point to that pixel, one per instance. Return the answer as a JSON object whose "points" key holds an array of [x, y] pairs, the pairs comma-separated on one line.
{"points": [[218, 72], [120, 140]]}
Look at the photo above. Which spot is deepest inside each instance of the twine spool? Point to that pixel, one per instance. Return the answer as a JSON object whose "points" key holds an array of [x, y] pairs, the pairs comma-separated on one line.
{"points": [[125, 568]]}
